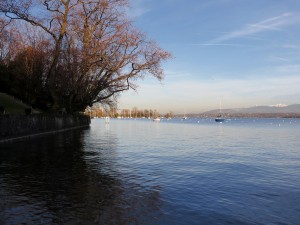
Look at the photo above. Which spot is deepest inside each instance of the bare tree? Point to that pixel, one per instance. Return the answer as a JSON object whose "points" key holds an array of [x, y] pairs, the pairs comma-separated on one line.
{"points": [[94, 52]]}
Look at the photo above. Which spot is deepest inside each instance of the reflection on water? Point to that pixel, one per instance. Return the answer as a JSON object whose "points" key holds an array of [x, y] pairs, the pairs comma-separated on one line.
{"points": [[52, 180], [140, 172]]}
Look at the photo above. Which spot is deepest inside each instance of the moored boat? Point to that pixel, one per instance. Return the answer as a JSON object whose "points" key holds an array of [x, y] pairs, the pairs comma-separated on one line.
{"points": [[219, 118], [156, 120]]}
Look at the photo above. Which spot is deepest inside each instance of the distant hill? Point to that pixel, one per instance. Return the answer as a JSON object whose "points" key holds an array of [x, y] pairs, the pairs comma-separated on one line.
{"points": [[259, 109]]}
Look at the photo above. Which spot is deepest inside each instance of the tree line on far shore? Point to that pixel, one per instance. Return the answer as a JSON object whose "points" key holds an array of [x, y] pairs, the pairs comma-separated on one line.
{"points": [[62, 56], [97, 111]]}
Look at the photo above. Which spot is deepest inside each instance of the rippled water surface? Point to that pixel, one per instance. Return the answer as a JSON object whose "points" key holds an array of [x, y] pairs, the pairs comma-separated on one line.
{"points": [[195, 171]]}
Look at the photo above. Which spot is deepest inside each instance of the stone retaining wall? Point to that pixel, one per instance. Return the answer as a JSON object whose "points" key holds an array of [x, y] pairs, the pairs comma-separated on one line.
{"points": [[18, 126]]}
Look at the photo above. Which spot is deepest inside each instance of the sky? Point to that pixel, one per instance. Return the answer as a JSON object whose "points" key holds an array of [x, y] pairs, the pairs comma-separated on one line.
{"points": [[240, 52]]}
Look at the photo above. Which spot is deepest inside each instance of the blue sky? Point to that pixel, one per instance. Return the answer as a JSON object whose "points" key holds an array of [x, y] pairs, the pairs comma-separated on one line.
{"points": [[245, 52]]}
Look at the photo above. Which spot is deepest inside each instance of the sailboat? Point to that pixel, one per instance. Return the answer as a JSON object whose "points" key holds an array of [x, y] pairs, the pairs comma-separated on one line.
{"points": [[219, 117], [184, 116], [156, 117]]}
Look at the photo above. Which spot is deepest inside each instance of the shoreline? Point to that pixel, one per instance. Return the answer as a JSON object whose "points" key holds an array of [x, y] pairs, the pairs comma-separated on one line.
{"points": [[249, 115], [17, 127]]}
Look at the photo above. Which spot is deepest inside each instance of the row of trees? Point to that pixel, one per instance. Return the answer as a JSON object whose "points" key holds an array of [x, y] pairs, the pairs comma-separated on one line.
{"points": [[65, 55], [97, 111]]}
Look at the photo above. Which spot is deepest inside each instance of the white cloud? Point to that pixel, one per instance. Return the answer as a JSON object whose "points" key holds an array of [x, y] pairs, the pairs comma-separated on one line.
{"points": [[220, 44], [277, 59], [199, 96], [273, 24], [288, 69], [205, 5], [137, 8], [177, 74], [291, 46]]}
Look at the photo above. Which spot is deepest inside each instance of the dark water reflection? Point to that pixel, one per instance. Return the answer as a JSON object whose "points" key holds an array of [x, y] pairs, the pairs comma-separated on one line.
{"points": [[139, 172], [50, 180]]}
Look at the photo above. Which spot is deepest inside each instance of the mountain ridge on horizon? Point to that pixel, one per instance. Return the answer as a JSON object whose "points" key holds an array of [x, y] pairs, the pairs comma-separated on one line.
{"points": [[280, 108]]}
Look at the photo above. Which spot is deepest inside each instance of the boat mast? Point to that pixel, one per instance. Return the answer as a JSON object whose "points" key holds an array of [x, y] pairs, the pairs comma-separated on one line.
{"points": [[220, 108]]}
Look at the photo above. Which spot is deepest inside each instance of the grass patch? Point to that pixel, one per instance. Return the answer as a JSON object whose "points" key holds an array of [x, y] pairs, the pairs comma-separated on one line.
{"points": [[12, 105]]}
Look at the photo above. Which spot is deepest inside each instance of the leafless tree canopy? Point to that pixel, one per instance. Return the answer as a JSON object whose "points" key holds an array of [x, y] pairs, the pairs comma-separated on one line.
{"points": [[76, 52]]}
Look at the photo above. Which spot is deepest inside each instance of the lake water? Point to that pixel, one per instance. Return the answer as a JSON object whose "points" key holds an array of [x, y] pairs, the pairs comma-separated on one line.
{"points": [[194, 171]]}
